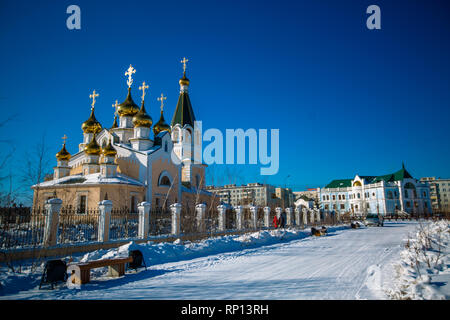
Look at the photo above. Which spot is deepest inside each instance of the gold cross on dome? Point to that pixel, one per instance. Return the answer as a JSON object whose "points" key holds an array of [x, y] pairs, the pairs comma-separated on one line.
{"points": [[93, 96], [162, 98], [129, 73], [184, 63], [116, 106], [64, 138], [143, 88]]}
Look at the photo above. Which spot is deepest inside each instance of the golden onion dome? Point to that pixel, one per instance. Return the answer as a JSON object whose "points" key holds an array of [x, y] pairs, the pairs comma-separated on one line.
{"points": [[63, 154], [92, 148], [142, 119], [109, 150], [128, 108], [184, 81], [115, 125], [161, 126], [91, 125]]}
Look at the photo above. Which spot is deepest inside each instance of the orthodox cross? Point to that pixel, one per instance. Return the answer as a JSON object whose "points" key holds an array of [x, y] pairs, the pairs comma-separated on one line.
{"points": [[116, 106], [129, 73], [162, 98], [93, 96], [64, 138], [143, 88], [184, 63]]}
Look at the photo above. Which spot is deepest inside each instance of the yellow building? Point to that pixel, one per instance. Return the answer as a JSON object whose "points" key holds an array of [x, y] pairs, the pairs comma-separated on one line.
{"points": [[123, 164]]}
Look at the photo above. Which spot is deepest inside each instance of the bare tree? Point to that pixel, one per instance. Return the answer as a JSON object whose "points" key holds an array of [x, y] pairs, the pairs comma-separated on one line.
{"points": [[36, 167]]}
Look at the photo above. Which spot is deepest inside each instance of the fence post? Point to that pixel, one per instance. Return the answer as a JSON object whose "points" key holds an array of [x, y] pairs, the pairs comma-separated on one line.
{"points": [[176, 212], [222, 211], [311, 214], [200, 209], [289, 216], [52, 208], [104, 220], [305, 217], [238, 210], [254, 212], [144, 219], [278, 211], [267, 217], [297, 215]]}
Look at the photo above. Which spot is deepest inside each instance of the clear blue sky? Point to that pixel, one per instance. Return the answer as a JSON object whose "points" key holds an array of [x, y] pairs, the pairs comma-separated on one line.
{"points": [[347, 100]]}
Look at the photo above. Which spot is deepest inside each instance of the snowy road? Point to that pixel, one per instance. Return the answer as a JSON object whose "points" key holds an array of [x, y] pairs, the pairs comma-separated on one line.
{"points": [[347, 264]]}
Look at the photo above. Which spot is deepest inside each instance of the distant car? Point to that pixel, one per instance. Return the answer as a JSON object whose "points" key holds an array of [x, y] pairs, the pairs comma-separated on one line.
{"points": [[374, 220]]}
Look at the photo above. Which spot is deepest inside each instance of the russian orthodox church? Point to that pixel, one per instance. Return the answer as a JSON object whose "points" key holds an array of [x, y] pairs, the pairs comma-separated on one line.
{"points": [[392, 193], [125, 164]]}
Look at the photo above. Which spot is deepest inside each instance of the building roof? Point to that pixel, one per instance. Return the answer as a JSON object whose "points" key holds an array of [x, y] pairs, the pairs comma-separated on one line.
{"points": [[90, 179], [184, 114], [391, 177]]}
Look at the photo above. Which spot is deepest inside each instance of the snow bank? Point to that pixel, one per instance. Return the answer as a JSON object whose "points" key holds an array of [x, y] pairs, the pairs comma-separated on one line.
{"points": [[423, 272]]}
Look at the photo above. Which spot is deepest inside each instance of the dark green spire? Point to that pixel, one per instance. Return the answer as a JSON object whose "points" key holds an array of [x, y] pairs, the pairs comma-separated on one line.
{"points": [[184, 114]]}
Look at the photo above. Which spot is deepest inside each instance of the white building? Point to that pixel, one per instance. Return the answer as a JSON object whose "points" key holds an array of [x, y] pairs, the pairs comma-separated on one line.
{"points": [[387, 194], [251, 193]]}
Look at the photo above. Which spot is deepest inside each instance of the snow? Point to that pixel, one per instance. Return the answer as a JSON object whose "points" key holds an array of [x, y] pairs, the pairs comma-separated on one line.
{"points": [[276, 264]]}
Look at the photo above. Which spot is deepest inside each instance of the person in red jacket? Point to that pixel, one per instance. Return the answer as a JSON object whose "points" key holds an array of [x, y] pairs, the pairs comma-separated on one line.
{"points": [[275, 221]]}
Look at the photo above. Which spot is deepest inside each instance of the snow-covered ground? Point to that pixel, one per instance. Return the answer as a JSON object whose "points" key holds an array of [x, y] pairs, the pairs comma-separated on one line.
{"points": [[345, 264]]}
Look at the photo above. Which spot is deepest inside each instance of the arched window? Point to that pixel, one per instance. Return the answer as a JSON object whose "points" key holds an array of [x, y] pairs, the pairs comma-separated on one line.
{"points": [[165, 179], [187, 136]]}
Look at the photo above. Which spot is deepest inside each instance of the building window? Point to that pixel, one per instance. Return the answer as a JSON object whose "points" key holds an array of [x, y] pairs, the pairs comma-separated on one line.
{"points": [[334, 197], [342, 206], [359, 196], [82, 204], [343, 197], [389, 195], [133, 204]]}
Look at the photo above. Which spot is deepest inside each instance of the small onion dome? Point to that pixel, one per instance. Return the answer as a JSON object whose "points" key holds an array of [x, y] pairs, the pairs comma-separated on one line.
{"points": [[184, 81], [92, 148], [109, 150], [91, 125], [63, 154], [161, 126], [142, 119], [128, 107], [115, 125]]}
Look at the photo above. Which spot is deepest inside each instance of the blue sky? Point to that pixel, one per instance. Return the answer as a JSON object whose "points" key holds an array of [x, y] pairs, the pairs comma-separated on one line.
{"points": [[347, 100]]}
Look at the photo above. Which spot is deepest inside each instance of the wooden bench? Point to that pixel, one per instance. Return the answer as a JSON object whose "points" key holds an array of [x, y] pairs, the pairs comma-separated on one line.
{"points": [[80, 273]]}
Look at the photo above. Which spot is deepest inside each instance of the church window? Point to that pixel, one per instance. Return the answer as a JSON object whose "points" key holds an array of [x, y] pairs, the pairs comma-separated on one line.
{"points": [[133, 204], [339, 197], [359, 195], [164, 181], [82, 204]]}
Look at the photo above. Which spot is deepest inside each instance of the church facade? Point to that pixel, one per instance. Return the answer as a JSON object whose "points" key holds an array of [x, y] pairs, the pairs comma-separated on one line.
{"points": [[387, 194], [125, 164]]}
